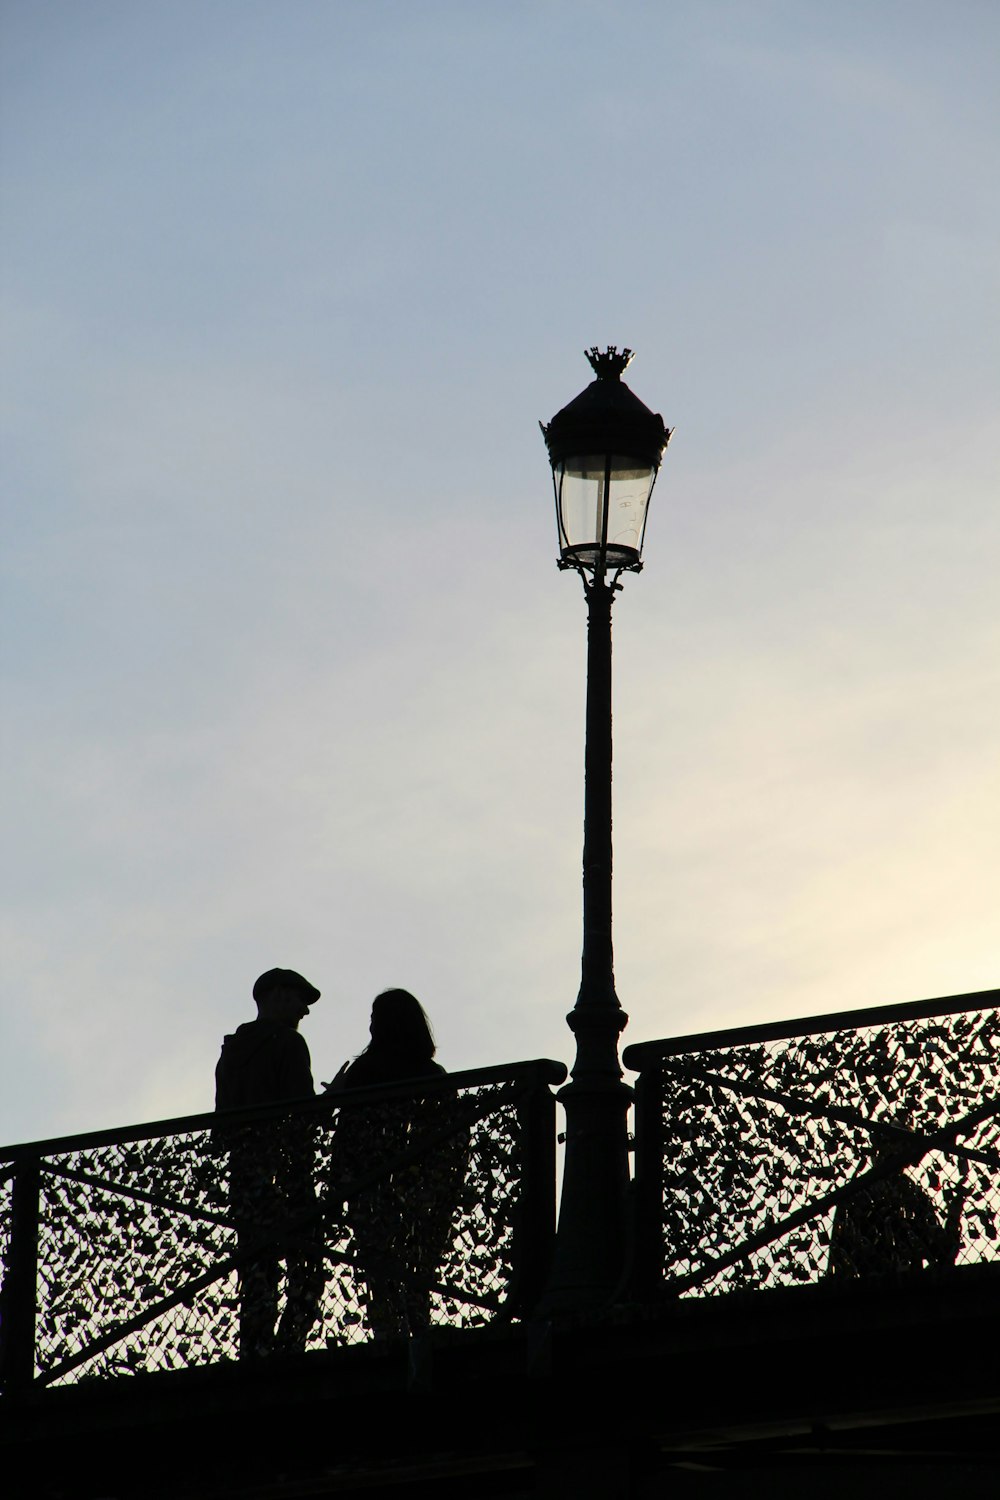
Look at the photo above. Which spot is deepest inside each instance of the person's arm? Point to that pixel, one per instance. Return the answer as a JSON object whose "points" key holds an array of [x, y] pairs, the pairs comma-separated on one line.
{"points": [[337, 1084], [925, 1229], [295, 1080]]}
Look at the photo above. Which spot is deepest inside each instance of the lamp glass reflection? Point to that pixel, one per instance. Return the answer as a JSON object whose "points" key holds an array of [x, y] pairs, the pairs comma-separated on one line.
{"points": [[601, 503]]}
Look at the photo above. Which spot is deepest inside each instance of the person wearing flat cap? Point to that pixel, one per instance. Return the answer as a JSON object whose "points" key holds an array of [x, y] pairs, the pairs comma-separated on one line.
{"points": [[272, 1193], [267, 1060]]}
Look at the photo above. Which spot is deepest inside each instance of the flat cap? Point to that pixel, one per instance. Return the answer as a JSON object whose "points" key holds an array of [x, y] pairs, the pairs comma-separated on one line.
{"points": [[270, 981]]}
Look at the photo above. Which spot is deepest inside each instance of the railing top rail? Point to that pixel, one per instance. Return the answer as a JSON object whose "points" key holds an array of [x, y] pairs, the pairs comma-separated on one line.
{"points": [[641, 1055], [537, 1071]]}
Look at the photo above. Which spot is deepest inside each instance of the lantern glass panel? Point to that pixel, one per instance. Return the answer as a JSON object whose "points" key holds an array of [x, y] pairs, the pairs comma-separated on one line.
{"points": [[588, 490]]}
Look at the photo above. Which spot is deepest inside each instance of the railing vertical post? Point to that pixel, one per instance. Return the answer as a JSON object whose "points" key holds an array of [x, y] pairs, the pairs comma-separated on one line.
{"points": [[647, 1189], [537, 1211], [20, 1288]]}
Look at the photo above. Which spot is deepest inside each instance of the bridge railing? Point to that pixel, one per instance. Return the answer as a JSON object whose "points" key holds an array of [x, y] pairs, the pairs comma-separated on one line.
{"points": [[375, 1211], [849, 1144]]}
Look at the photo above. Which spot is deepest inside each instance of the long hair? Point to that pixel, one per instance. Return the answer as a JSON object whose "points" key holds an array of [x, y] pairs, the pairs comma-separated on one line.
{"points": [[400, 1027]]}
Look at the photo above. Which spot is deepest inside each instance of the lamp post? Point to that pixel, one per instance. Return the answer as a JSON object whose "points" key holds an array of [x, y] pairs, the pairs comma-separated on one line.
{"points": [[605, 449]]}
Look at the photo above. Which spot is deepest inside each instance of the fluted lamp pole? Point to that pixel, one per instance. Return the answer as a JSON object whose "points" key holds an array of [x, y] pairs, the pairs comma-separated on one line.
{"points": [[605, 449]]}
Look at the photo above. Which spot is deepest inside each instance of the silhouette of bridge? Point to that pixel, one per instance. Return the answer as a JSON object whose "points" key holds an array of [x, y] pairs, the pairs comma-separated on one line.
{"points": [[728, 1357]]}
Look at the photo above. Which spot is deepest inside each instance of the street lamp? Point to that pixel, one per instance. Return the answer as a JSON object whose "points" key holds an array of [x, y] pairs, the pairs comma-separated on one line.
{"points": [[605, 449]]}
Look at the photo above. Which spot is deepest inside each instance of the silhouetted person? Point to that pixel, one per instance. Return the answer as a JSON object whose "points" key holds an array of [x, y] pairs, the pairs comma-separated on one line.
{"points": [[271, 1189], [401, 1224], [891, 1225]]}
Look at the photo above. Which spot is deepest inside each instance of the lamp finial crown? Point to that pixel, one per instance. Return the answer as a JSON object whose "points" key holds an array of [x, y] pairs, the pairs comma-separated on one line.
{"points": [[611, 364]]}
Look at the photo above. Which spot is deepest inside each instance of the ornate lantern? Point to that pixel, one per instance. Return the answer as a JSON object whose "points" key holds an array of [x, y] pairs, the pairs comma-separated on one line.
{"points": [[605, 449]]}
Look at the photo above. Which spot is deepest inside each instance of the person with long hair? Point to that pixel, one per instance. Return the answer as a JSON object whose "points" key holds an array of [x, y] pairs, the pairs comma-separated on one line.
{"points": [[401, 1221], [402, 1044]]}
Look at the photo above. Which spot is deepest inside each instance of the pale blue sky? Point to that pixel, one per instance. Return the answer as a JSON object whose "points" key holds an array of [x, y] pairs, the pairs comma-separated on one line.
{"points": [[291, 677]]}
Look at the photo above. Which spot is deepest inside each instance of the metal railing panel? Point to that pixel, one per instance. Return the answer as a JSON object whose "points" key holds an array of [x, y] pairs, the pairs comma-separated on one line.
{"points": [[132, 1251], [749, 1143]]}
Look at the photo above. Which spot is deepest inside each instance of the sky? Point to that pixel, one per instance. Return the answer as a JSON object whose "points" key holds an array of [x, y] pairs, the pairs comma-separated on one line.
{"points": [[290, 675]]}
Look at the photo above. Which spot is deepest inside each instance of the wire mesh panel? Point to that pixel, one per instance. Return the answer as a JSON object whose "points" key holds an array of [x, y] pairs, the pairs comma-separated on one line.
{"points": [[785, 1156], [430, 1205], [6, 1186], [278, 1231], [133, 1237], [7, 1280]]}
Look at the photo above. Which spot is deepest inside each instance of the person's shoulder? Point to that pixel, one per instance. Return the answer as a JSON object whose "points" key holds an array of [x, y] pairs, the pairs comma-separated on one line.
{"points": [[238, 1044], [292, 1042], [252, 1032], [269, 1039], [361, 1071], [373, 1067]]}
